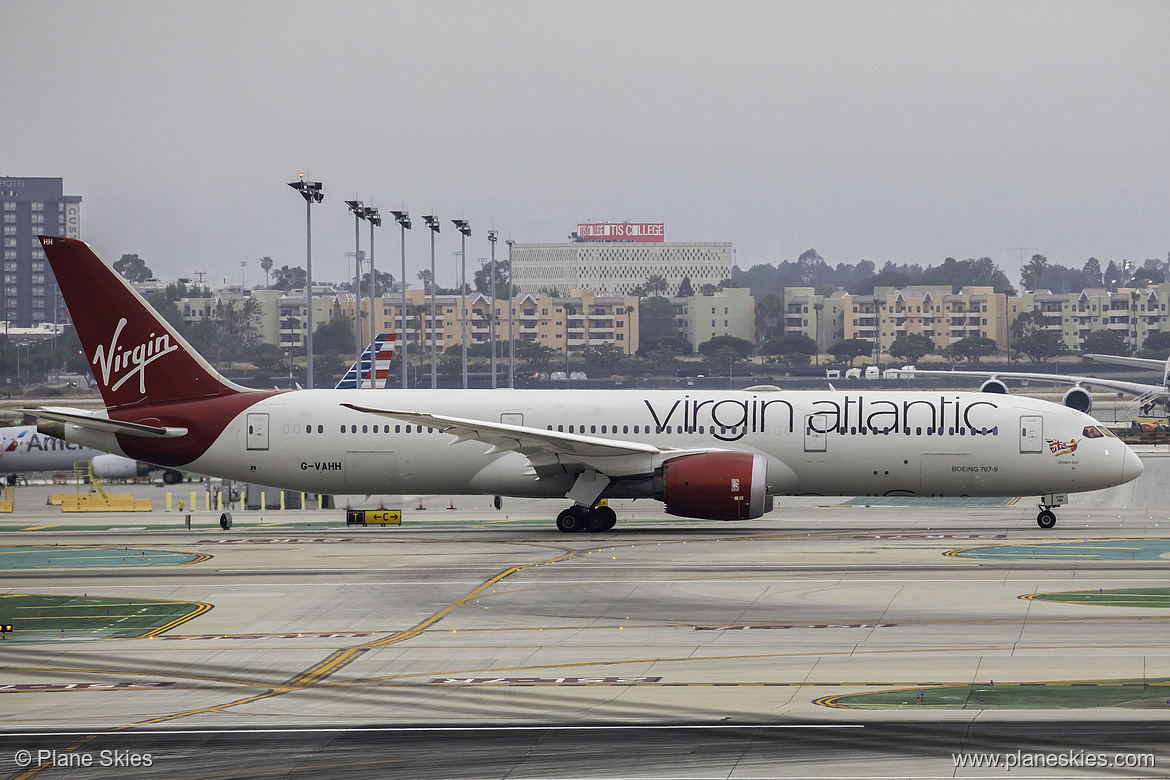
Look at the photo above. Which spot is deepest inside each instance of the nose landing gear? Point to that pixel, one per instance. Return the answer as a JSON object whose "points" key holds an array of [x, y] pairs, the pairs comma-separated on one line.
{"points": [[1047, 518]]}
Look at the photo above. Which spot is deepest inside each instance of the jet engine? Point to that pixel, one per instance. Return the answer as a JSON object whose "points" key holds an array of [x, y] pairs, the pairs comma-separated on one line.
{"points": [[117, 467], [1078, 398], [993, 386], [716, 485]]}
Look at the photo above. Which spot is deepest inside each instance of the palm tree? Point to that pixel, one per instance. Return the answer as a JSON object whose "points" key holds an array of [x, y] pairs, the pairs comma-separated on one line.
{"points": [[818, 308], [656, 283], [418, 313], [266, 264]]}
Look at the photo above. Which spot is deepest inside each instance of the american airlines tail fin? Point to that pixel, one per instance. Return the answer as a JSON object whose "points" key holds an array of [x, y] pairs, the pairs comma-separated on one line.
{"points": [[136, 356], [382, 352]]}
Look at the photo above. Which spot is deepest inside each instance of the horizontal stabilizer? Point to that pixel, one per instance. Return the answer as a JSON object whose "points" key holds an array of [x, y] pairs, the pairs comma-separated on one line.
{"points": [[92, 422]]}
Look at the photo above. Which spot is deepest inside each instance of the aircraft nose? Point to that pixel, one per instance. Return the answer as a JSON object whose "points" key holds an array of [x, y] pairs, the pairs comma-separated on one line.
{"points": [[1131, 467]]}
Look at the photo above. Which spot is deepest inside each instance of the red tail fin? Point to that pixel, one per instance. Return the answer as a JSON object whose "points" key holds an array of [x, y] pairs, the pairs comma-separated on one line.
{"points": [[136, 356]]}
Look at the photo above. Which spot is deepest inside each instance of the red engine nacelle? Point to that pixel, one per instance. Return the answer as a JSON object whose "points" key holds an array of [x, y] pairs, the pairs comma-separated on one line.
{"points": [[716, 485]]}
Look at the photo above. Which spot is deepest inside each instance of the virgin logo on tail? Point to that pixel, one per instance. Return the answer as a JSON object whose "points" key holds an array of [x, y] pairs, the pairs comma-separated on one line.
{"points": [[118, 359]]}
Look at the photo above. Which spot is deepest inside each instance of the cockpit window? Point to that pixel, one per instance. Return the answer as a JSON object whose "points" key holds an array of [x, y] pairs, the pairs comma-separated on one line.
{"points": [[1092, 432], [1106, 431]]}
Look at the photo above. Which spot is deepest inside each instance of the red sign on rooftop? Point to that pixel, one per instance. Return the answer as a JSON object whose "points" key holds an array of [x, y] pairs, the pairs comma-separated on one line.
{"points": [[622, 231]]}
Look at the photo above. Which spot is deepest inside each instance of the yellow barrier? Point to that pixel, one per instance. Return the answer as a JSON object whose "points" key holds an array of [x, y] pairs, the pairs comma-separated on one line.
{"points": [[7, 498], [111, 502]]}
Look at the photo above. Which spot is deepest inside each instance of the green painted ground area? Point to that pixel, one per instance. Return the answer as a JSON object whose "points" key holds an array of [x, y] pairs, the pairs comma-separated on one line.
{"points": [[1152, 694], [1117, 597], [915, 501], [42, 618], [72, 557], [1100, 550]]}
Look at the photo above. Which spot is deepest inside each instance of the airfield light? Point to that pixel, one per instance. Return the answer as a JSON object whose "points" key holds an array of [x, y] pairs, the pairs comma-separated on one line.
{"points": [[311, 192], [492, 235], [403, 220], [375, 220], [433, 223], [511, 318], [359, 213]]}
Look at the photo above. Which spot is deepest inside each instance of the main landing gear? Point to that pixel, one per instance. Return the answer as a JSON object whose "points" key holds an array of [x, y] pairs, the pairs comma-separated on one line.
{"points": [[583, 518], [1047, 518]]}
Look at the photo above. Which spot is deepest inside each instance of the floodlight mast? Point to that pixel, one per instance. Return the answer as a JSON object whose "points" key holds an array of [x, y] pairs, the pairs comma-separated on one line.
{"points": [[403, 220], [464, 228], [311, 192], [359, 213], [511, 318], [492, 235], [433, 223], [375, 220]]}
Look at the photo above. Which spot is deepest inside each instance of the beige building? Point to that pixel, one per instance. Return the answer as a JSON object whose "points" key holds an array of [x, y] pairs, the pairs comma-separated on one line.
{"points": [[934, 312], [1135, 313], [820, 317], [293, 315], [581, 320], [729, 312]]}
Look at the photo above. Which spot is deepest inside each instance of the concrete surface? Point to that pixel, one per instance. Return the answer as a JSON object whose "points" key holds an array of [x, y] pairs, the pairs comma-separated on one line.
{"points": [[662, 648]]}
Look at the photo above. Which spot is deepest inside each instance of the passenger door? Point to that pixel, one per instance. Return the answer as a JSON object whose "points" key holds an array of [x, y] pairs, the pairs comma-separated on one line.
{"points": [[816, 437], [257, 431], [1031, 433]]}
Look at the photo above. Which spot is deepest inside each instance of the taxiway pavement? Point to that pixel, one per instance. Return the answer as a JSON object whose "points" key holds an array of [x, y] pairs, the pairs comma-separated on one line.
{"points": [[482, 643]]}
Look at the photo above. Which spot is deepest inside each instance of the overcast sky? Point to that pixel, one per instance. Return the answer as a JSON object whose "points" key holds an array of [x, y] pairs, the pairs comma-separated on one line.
{"points": [[882, 131]]}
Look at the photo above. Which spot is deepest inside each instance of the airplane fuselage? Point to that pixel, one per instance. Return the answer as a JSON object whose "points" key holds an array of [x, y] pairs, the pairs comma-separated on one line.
{"points": [[815, 443], [23, 450]]}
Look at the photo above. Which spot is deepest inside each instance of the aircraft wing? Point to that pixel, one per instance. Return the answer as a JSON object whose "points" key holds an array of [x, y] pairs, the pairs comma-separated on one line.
{"points": [[1136, 362], [1136, 388], [518, 438]]}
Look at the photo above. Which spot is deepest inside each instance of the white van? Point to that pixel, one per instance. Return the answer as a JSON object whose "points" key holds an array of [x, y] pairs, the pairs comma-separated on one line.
{"points": [[853, 373], [832, 373], [872, 372]]}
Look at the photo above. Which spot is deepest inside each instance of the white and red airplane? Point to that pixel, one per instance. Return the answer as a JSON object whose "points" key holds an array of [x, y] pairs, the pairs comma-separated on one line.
{"points": [[24, 450], [720, 455]]}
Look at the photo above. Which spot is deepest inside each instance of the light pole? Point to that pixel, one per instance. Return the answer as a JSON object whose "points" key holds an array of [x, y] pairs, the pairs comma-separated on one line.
{"points": [[433, 223], [359, 213], [492, 235], [464, 228], [375, 220], [511, 317], [311, 192], [403, 220]]}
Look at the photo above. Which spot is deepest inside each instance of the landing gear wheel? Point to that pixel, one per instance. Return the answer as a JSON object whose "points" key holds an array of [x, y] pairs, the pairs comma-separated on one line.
{"points": [[601, 518], [570, 520], [1046, 518]]}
